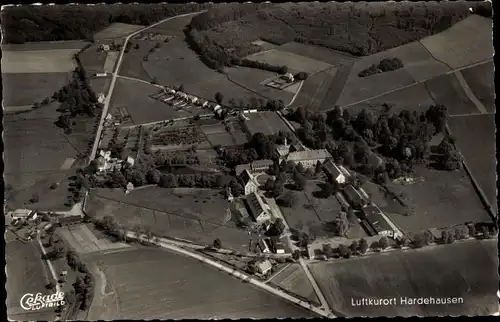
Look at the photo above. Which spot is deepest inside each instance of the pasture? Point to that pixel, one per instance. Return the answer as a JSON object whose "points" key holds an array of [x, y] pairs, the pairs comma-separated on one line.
{"points": [[466, 269], [84, 241], [100, 84], [442, 199], [93, 60], [294, 279], [142, 108], [22, 89], [467, 42], [264, 122], [133, 64], [109, 64], [164, 285], [116, 30], [446, 90], [294, 62], [26, 273], [476, 140], [45, 45], [198, 215], [329, 56], [39, 61], [412, 98], [481, 81]]}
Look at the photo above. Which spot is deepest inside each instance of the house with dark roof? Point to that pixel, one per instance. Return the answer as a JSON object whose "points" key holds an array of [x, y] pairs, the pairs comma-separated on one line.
{"points": [[261, 165], [257, 209], [377, 221], [354, 197], [70, 221], [334, 172], [250, 185], [308, 158]]}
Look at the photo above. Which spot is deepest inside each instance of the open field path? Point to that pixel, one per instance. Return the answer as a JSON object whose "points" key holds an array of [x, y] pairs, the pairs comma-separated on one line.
{"points": [[113, 83], [469, 93], [277, 211], [470, 114], [336, 86], [49, 264], [237, 274], [416, 83]]}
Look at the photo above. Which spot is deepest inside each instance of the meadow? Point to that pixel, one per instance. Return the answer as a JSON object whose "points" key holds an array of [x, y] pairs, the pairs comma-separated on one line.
{"points": [[39, 61], [116, 30]]}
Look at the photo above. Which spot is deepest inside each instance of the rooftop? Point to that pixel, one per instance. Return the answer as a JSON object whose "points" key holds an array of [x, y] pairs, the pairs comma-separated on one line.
{"points": [[332, 168], [70, 219], [309, 155], [375, 218], [255, 204]]}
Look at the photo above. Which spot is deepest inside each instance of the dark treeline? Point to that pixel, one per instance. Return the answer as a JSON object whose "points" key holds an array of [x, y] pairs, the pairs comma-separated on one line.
{"points": [[66, 22], [385, 65]]}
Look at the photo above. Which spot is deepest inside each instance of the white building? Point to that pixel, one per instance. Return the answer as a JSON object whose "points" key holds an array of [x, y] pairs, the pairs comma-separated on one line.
{"points": [[101, 74], [130, 187], [101, 98], [334, 172], [263, 267], [104, 47], [250, 185], [130, 161], [308, 158], [257, 208], [105, 154], [288, 77], [21, 214]]}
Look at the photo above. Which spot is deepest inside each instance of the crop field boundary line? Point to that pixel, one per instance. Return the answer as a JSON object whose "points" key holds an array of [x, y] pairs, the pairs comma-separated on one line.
{"points": [[167, 213], [416, 83], [465, 86], [434, 57]]}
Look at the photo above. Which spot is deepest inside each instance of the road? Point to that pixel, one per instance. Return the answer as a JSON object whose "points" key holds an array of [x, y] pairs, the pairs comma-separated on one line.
{"points": [[165, 244], [277, 211], [113, 83], [49, 264]]}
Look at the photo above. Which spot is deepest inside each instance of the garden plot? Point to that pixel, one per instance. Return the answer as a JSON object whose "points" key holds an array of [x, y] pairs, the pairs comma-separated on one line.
{"points": [[116, 30], [294, 62], [294, 280], [467, 42], [177, 137], [83, 241], [39, 61]]}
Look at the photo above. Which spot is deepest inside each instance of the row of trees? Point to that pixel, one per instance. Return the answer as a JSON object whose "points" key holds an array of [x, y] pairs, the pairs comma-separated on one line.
{"points": [[65, 22]]}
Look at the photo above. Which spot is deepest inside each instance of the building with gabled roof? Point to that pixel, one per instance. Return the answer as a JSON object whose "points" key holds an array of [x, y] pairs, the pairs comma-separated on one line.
{"points": [[376, 220], [263, 267], [70, 221], [334, 172], [250, 185], [308, 158], [257, 208], [261, 165], [354, 197]]}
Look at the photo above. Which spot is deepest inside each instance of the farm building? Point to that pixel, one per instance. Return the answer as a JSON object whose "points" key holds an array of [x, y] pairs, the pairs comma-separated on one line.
{"points": [[261, 165], [354, 197], [21, 214], [288, 77], [257, 208], [374, 217], [70, 221], [309, 158], [296, 147], [130, 187], [333, 172], [242, 167], [101, 75], [104, 47], [282, 151], [263, 267], [101, 98], [249, 183], [105, 154]]}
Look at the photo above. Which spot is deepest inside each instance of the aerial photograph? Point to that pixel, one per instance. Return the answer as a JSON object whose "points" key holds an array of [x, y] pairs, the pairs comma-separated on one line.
{"points": [[249, 160]]}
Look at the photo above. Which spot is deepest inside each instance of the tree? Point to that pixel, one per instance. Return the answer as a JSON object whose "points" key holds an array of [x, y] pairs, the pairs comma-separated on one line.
{"points": [[34, 198], [363, 245], [153, 176], [354, 247], [319, 168], [51, 285], [296, 254], [452, 160], [485, 231], [136, 46], [181, 88], [217, 244], [300, 180], [404, 241], [168, 181], [219, 97], [344, 251], [278, 226], [383, 242], [472, 230], [419, 240], [287, 200], [269, 185]]}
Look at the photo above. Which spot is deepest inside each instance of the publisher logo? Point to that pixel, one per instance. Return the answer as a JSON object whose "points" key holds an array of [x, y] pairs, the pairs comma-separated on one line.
{"points": [[33, 302]]}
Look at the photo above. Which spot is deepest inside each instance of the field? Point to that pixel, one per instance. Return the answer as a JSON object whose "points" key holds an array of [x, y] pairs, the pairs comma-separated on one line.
{"points": [[109, 64], [264, 44], [255, 80], [476, 140], [22, 89], [412, 98], [442, 199], [26, 273], [142, 108], [481, 81], [173, 27], [217, 134], [466, 269], [100, 85], [199, 215], [45, 45], [116, 30], [446, 90], [264, 122], [93, 60], [323, 54], [295, 63], [468, 41], [163, 285], [83, 240], [294, 279], [39, 61]]}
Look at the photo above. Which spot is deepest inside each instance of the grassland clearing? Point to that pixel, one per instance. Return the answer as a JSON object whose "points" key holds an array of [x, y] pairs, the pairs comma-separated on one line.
{"points": [[198, 215], [467, 269], [264, 122], [133, 64], [109, 64], [475, 136], [468, 41], [295, 63], [26, 273], [116, 30], [188, 290], [39, 61], [294, 280], [329, 56], [412, 98], [481, 81], [83, 240], [447, 90], [100, 85], [27, 88], [93, 59], [442, 199], [142, 109]]}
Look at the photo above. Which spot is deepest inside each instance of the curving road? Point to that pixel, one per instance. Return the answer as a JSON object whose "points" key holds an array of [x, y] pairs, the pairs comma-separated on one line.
{"points": [[165, 244], [113, 82]]}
